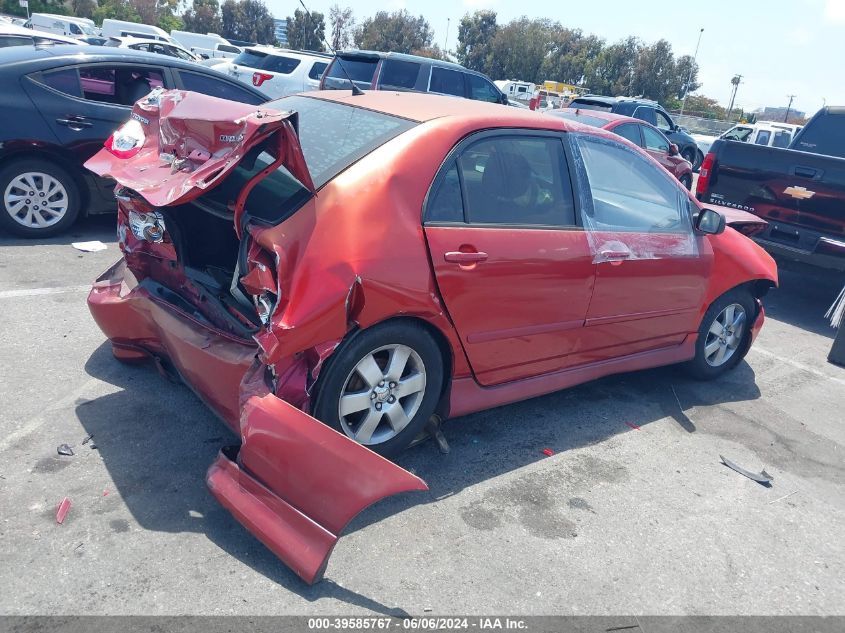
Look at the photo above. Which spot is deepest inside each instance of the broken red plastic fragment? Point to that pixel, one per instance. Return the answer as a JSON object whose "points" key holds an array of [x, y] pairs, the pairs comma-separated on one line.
{"points": [[548, 452], [63, 509], [633, 426]]}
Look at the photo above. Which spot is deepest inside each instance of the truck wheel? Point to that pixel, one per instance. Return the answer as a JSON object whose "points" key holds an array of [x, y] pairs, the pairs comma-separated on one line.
{"points": [[382, 387], [722, 336], [40, 199]]}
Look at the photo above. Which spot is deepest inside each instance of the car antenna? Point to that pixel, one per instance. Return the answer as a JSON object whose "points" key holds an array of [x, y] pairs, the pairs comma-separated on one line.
{"points": [[356, 91]]}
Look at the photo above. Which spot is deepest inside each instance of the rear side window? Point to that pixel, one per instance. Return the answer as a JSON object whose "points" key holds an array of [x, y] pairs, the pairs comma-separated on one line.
{"points": [[280, 64], [122, 85], [399, 75], [447, 82], [511, 180], [782, 139], [217, 88], [482, 90], [654, 140], [646, 114], [65, 80], [825, 134], [317, 70], [342, 69], [12, 40]]}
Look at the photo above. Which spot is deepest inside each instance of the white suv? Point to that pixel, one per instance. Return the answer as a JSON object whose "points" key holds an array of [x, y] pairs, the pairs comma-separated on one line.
{"points": [[277, 72]]}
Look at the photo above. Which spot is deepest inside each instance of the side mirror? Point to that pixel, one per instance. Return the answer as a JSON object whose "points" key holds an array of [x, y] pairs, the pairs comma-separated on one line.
{"points": [[710, 222], [673, 149]]}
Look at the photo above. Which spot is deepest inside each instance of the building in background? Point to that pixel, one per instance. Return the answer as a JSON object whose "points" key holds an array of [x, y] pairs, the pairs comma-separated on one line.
{"points": [[776, 114], [281, 30]]}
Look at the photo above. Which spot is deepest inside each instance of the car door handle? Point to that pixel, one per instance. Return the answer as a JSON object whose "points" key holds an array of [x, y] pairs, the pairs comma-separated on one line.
{"points": [[75, 123], [460, 257], [614, 255]]}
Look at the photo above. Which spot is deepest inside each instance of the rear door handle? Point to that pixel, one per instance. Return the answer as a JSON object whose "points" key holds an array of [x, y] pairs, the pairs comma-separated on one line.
{"points": [[460, 257], [614, 255], [75, 122]]}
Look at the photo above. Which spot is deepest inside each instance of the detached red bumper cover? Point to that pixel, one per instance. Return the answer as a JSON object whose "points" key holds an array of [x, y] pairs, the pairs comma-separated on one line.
{"points": [[296, 484]]}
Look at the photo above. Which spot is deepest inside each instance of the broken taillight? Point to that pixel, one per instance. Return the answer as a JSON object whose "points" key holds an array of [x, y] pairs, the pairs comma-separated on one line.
{"points": [[127, 140]]}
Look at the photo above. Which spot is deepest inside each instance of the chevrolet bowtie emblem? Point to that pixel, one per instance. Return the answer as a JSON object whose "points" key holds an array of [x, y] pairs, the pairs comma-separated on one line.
{"points": [[800, 193]]}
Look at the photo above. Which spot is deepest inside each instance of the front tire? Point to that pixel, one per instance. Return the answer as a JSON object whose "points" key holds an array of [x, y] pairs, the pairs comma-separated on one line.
{"points": [[39, 198], [723, 335], [382, 387]]}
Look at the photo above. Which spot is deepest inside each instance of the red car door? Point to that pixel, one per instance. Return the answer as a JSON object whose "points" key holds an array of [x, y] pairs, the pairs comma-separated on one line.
{"points": [[651, 268], [514, 270]]}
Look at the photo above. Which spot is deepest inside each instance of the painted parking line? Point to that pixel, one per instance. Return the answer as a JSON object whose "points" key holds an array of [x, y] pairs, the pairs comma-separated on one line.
{"points": [[34, 292]]}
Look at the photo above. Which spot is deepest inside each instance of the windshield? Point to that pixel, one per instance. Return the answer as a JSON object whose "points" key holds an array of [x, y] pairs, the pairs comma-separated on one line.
{"points": [[87, 29], [333, 137]]}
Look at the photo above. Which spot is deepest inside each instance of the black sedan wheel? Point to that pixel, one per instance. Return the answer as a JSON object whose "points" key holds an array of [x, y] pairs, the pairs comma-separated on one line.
{"points": [[40, 198]]}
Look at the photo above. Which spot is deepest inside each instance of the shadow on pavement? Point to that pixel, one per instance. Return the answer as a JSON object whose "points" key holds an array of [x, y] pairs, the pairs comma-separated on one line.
{"points": [[95, 227], [157, 441], [803, 297]]}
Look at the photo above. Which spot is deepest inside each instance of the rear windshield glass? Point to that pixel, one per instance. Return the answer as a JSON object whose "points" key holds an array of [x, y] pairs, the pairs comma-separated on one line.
{"points": [[274, 63], [825, 134], [333, 136], [580, 117], [361, 71], [591, 105]]}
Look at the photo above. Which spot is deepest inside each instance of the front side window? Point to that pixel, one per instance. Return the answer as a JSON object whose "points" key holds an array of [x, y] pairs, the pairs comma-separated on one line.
{"points": [[399, 75], [516, 180], [482, 90], [664, 123], [654, 140], [446, 81], [629, 194], [74, 29], [782, 139], [646, 113], [217, 88]]}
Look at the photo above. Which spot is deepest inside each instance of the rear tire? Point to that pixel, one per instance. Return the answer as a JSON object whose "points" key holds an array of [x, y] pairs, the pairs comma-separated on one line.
{"points": [[37, 198], [723, 335], [382, 387], [686, 181]]}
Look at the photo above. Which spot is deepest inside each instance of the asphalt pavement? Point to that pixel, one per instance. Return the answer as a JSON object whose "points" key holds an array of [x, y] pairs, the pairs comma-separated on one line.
{"points": [[633, 513]]}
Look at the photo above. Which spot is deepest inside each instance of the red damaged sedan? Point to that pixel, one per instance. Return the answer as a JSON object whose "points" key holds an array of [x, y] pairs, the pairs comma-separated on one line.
{"points": [[329, 272]]}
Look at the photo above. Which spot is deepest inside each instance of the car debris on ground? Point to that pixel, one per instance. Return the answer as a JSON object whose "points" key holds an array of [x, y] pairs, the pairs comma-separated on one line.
{"points": [[761, 478]]}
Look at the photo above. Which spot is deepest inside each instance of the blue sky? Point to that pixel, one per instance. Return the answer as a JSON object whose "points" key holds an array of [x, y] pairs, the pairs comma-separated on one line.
{"points": [[780, 48]]}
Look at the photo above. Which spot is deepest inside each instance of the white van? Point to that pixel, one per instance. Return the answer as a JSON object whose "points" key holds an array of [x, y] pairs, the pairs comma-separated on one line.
{"points": [[119, 28], [63, 25], [208, 46]]}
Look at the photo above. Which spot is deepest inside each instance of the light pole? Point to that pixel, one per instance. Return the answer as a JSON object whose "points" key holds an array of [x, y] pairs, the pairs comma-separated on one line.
{"points": [[446, 42], [788, 108], [692, 66]]}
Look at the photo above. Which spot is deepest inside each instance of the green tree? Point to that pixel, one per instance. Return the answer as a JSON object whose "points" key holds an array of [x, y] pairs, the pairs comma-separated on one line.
{"points": [[655, 73], [203, 17], [247, 20], [116, 10], [475, 37], [342, 22], [83, 8], [398, 31], [687, 70], [611, 71], [13, 7], [569, 53], [519, 49], [432, 52], [306, 31]]}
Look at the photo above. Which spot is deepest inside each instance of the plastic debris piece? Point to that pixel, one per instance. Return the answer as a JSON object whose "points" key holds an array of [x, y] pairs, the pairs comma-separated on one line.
{"points": [[105, 493], [62, 510], [761, 478], [89, 247], [89, 438], [633, 426], [548, 452], [783, 497], [64, 449]]}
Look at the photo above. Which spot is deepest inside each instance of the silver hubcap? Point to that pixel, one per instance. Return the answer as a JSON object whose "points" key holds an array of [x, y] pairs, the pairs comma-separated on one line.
{"points": [[725, 335], [35, 200], [382, 394]]}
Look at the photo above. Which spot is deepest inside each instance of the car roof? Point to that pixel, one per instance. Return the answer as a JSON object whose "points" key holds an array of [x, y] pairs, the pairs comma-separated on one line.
{"points": [[603, 99], [610, 117], [406, 58], [274, 50], [423, 107]]}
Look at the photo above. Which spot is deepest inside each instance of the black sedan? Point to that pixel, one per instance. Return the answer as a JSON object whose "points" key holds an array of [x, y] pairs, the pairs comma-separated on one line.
{"points": [[59, 104]]}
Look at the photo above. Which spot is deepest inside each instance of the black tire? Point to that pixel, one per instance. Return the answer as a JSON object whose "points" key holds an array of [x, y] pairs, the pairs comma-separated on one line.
{"points": [[686, 181], [341, 368], [699, 158], [689, 155], [699, 367], [12, 170]]}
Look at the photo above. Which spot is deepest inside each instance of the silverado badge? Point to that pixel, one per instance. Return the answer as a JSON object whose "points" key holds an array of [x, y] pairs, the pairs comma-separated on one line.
{"points": [[799, 193]]}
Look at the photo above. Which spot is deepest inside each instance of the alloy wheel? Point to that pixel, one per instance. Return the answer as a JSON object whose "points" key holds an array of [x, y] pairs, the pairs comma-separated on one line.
{"points": [[382, 394], [725, 335], [36, 200]]}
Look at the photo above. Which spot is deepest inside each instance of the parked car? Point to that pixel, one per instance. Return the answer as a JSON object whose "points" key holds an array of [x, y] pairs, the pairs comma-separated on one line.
{"points": [[65, 101], [152, 46], [121, 28], [800, 191], [637, 131], [372, 70], [207, 46], [650, 112], [13, 35], [372, 261], [277, 71], [67, 25], [763, 133]]}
